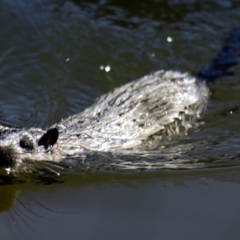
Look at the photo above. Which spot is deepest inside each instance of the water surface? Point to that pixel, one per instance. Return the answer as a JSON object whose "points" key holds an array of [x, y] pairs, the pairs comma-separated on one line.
{"points": [[57, 57]]}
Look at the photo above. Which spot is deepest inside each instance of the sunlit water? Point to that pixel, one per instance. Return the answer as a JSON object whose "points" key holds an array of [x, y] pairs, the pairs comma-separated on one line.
{"points": [[57, 57]]}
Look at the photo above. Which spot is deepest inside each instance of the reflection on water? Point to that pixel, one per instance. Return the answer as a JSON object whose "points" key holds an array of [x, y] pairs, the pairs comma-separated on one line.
{"points": [[109, 206]]}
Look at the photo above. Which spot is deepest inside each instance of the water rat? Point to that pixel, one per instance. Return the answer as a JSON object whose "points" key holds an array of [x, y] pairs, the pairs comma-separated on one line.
{"points": [[159, 104]]}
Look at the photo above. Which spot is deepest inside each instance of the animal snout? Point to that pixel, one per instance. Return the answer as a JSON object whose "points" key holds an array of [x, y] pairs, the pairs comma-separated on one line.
{"points": [[7, 156]]}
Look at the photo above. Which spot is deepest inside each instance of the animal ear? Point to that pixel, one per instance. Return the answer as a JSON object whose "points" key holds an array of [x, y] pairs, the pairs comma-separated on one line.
{"points": [[49, 138]]}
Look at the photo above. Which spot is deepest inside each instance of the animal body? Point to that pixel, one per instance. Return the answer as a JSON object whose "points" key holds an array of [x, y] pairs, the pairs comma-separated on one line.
{"points": [[160, 104]]}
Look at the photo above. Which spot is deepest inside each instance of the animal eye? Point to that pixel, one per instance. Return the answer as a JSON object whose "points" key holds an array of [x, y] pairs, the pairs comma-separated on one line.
{"points": [[26, 142]]}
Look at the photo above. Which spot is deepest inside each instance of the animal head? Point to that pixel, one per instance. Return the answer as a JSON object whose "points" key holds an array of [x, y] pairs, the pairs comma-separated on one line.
{"points": [[17, 145]]}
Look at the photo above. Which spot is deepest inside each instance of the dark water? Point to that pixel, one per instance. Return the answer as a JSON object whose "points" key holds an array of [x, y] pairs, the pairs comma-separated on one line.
{"points": [[57, 57]]}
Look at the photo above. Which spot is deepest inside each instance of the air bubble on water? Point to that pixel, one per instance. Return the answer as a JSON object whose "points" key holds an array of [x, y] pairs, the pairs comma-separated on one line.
{"points": [[107, 68], [169, 39]]}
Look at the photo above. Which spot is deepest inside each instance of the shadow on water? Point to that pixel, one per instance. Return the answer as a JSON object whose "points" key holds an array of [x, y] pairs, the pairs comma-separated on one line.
{"points": [[27, 208]]}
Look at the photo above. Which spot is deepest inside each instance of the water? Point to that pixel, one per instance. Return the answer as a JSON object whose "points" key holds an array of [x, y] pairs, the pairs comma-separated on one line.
{"points": [[57, 57]]}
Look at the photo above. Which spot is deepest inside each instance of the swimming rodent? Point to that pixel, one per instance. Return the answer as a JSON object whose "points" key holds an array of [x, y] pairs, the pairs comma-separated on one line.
{"points": [[160, 104]]}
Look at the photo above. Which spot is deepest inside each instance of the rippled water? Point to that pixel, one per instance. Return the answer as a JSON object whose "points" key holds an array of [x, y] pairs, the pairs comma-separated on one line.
{"points": [[57, 57]]}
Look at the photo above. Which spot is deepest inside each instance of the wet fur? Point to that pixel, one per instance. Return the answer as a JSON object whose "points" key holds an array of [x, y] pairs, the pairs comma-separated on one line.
{"points": [[138, 114]]}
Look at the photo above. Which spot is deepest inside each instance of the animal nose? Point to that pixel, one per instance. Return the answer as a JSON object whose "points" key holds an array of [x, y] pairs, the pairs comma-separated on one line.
{"points": [[7, 156]]}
